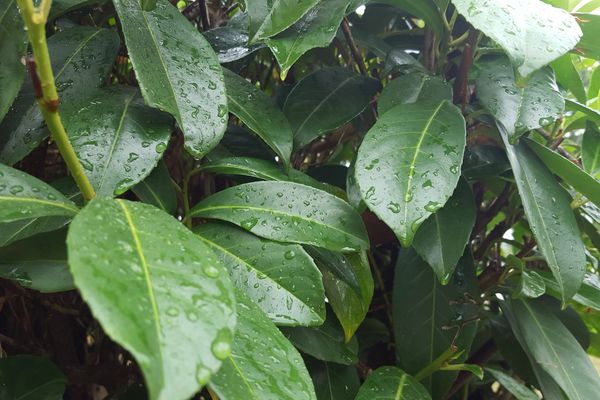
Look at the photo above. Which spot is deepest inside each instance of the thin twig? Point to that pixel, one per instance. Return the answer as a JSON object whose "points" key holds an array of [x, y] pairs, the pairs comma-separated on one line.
{"points": [[353, 47]]}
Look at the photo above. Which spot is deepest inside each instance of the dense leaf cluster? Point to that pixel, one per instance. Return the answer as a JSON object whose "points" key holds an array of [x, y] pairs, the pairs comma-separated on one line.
{"points": [[299, 199]]}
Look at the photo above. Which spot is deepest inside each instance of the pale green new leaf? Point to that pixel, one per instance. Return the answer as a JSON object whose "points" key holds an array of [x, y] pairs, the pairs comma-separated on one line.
{"points": [[177, 70], [157, 290]]}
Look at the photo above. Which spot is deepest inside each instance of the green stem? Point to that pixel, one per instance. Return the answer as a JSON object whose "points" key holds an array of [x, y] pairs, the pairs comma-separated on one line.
{"points": [[46, 93], [437, 363]]}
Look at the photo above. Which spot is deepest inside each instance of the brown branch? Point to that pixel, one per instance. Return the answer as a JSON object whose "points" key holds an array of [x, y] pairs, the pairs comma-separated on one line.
{"points": [[461, 83], [353, 47]]}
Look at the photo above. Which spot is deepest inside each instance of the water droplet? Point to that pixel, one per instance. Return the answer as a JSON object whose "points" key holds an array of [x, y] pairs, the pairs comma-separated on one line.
{"points": [[394, 207], [221, 347], [16, 189], [211, 271], [249, 223], [172, 312], [161, 147], [290, 254]]}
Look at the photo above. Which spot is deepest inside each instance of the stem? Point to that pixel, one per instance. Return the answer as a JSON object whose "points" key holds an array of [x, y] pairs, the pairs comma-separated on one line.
{"points": [[353, 47], [45, 90], [437, 363]]}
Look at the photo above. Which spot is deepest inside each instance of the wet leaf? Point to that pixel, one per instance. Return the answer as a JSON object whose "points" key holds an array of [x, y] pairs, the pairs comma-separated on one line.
{"points": [[82, 57], [259, 113], [157, 290], [335, 263], [269, 17], [24, 197], [333, 381], [13, 46], [391, 383], [281, 279], [178, 71], [588, 45], [288, 212], [518, 109], [552, 348], [316, 28], [568, 77], [518, 389], [119, 140], [409, 164], [532, 33], [158, 189], [326, 100], [411, 88], [38, 262], [263, 364], [442, 238], [230, 42], [548, 211], [590, 150]]}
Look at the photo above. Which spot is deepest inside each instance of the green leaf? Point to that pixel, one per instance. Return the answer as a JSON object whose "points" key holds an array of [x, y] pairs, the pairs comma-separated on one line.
{"points": [[411, 88], [472, 368], [158, 189], [588, 112], [427, 316], [288, 212], [119, 140], [531, 284], [269, 17], [325, 342], [335, 263], [333, 381], [177, 70], [61, 7], [590, 26], [259, 113], [325, 100], [568, 77], [13, 46], [425, 9], [23, 128], [230, 42], [316, 28], [38, 262], [391, 383], [263, 364], [23, 228], [26, 377], [548, 211], [588, 294], [442, 239], [566, 170], [518, 109], [281, 278], [409, 164], [518, 389], [552, 348], [156, 290], [349, 305], [533, 34], [590, 149], [24, 197]]}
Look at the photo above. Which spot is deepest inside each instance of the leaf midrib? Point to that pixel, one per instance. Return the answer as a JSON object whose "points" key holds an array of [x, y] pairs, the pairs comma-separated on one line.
{"points": [[147, 276], [276, 212], [41, 201], [244, 262], [400, 387]]}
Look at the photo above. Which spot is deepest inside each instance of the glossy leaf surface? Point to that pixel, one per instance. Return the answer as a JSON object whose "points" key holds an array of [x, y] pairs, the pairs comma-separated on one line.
{"points": [[326, 100], [156, 290], [568, 77], [590, 150], [427, 315], [27, 377], [157, 189], [553, 348], [269, 17], [518, 389], [350, 305], [409, 164], [411, 88], [182, 77], [288, 212], [119, 140], [588, 45], [13, 46], [518, 109], [259, 113], [532, 33], [391, 383], [548, 211], [567, 171], [24, 197], [82, 57], [316, 28], [280, 278], [442, 239], [38, 262], [333, 381], [246, 374]]}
